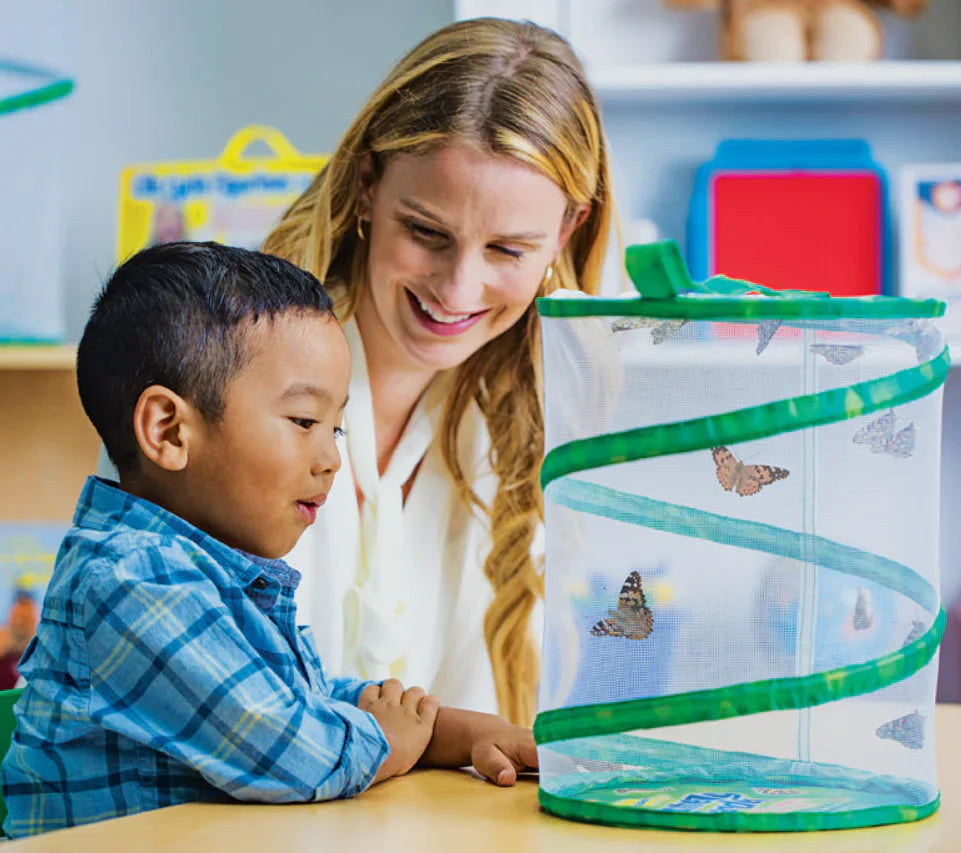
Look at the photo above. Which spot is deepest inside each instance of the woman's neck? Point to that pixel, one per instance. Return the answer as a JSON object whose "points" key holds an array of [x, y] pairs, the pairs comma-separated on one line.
{"points": [[395, 385]]}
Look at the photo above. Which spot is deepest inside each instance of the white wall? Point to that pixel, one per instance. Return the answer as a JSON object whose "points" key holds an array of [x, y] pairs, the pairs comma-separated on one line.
{"points": [[173, 79]]}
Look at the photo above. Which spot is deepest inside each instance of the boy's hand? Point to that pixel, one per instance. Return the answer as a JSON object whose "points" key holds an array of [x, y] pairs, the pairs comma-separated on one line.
{"points": [[500, 753], [407, 719]]}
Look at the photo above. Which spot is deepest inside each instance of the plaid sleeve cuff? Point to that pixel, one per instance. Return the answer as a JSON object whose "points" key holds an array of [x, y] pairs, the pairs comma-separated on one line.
{"points": [[365, 749]]}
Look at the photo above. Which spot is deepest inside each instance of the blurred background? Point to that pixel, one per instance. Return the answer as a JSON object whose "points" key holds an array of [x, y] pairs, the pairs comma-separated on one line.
{"points": [[173, 80]]}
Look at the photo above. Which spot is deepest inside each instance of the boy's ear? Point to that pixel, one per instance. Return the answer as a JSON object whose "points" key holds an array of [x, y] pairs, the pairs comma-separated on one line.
{"points": [[163, 425]]}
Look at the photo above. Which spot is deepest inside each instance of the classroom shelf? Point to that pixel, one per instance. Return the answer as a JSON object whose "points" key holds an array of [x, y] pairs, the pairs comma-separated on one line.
{"points": [[687, 82], [38, 357]]}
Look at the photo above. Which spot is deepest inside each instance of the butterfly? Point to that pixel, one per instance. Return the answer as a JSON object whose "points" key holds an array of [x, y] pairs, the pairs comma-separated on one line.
{"points": [[921, 334], [917, 631], [838, 353], [863, 612], [907, 730], [765, 331], [632, 619], [661, 330], [744, 479], [884, 437]]}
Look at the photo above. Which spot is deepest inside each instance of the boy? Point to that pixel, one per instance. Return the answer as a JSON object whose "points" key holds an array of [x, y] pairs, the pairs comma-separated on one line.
{"points": [[167, 667]]}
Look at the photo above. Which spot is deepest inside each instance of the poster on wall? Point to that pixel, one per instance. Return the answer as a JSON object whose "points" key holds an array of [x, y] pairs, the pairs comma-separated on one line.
{"points": [[27, 554], [235, 199], [930, 221]]}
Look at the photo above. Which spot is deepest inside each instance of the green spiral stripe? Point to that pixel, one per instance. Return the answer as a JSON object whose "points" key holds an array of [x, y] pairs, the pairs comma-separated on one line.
{"points": [[758, 696], [781, 416]]}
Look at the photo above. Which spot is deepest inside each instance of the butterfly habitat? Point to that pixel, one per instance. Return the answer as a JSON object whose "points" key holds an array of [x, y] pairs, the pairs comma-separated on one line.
{"points": [[742, 609]]}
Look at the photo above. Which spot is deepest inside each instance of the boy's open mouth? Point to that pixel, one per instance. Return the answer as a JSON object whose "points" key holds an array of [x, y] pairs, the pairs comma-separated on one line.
{"points": [[308, 508]]}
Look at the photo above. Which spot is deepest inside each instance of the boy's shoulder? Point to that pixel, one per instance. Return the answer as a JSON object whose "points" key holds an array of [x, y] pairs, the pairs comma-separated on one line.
{"points": [[101, 559]]}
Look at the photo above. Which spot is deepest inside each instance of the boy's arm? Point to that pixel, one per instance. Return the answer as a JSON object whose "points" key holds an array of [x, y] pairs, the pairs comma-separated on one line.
{"points": [[497, 749], [170, 668]]}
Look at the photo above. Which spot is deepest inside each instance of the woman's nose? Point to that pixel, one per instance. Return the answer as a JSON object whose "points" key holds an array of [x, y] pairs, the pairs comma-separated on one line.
{"points": [[463, 285]]}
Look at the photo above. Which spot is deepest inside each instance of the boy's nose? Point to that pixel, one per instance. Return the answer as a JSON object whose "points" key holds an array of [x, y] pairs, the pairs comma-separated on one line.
{"points": [[328, 460]]}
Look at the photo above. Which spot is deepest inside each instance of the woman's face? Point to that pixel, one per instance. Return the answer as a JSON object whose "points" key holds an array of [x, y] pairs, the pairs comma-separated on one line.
{"points": [[459, 242]]}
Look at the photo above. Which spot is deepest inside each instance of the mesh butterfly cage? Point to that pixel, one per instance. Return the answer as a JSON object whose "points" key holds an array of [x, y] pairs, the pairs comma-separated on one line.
{"points": [[742, 611]]}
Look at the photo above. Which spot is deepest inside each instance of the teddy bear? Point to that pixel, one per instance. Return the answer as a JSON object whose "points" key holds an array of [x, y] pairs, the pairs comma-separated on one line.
{"points": [[797, 30]]}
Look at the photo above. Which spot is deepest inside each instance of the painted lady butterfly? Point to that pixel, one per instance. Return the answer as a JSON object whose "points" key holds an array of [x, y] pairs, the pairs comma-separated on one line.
{"points": [[907, 730], [884, 437], [838, 353], [765, 332], [734, 475], [632, 619]]}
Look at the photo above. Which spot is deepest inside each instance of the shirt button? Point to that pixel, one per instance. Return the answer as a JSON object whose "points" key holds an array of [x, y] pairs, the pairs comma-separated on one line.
{"points": [[259, 583]]}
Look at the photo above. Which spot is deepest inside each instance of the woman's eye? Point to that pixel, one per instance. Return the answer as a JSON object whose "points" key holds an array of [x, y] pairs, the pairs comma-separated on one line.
{"points": [[511, 253], [304, 423], [339, 432], [425, 233]]}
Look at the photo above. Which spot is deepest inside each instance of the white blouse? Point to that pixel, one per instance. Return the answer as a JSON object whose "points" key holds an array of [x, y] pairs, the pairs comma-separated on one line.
{"points": [[398, 589]]}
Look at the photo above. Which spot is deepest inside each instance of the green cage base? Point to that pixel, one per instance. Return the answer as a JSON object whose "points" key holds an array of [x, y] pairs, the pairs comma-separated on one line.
{"points": [[680, 786], [610, 804]]}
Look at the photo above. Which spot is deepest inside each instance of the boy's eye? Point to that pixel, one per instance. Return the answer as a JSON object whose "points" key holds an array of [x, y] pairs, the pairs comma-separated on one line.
{"points": [[304, 423]]}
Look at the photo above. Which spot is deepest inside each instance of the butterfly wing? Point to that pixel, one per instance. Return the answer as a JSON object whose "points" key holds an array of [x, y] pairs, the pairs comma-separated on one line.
{"points": [[765, 331], [863, 615], [610, 627], [902, 445], [754, 477], [877, 433], [727, 467], [663, 330], [838, 353], [623, 324], [917, 631], [907, 730]]}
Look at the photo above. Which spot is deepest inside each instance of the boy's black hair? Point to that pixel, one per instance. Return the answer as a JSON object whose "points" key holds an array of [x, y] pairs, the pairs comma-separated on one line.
{"points": [[176, 315]]}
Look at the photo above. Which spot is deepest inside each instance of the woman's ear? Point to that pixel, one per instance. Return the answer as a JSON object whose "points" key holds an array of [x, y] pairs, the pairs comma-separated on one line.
{"points": [[573, 220], [163, 425], [367, 179]]}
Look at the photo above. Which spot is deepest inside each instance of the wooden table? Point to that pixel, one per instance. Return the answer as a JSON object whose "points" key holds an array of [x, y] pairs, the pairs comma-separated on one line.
{"points": [[456, 812]]}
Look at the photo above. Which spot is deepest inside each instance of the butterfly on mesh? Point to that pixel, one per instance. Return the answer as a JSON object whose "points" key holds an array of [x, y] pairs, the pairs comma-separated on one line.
{"points": [[921, 334], [917, 631], [632, 619], [838, 353], [907, 730], [883, 436], [734, 475], [863, 611], [661, 330], [765, 332]]}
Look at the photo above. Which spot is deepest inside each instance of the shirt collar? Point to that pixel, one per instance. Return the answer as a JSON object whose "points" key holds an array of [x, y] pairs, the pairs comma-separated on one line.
{"points": [[104, 506]]}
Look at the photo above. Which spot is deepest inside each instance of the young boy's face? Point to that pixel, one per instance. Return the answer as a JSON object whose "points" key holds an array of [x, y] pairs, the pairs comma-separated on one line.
{"points": [[256, 478]]}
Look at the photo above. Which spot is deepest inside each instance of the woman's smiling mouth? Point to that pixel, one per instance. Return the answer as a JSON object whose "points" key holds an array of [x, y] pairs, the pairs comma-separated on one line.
{"points": [[439, 321]]}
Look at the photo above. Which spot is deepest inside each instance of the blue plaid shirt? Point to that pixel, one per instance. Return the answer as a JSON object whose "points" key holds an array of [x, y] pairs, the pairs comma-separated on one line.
{"points": [[167, 668]]}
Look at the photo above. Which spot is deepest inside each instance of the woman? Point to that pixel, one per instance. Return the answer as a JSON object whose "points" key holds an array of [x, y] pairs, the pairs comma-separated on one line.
{"points": [[474, 180]]}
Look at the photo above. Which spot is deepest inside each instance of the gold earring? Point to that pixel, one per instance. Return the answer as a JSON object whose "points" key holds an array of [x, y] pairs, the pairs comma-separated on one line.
{"points": [[548, 273], [360, 229]]}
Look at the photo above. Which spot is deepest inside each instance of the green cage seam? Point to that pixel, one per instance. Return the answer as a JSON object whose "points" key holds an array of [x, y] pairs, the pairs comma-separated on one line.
{"points": [[705, 307], [769, 419], [732, 822], [36, 97]]}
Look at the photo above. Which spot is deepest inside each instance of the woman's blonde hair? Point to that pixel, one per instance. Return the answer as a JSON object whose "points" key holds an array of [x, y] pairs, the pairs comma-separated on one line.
{"points": [[508, 88]]}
